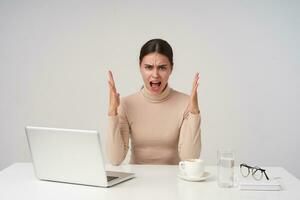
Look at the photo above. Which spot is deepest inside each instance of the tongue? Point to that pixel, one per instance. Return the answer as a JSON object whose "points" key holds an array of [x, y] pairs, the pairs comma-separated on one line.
{"points": [[155, 87]]}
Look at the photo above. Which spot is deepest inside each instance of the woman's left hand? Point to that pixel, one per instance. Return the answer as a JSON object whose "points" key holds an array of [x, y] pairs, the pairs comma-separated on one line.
{"points": [[193, 104]]}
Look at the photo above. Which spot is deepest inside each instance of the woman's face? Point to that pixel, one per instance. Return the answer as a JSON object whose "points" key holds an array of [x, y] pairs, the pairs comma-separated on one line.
{"points": [[155, 69]]}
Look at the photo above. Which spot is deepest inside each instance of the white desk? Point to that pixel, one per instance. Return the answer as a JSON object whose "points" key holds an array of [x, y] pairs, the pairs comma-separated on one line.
{"points": [[152, 182]]}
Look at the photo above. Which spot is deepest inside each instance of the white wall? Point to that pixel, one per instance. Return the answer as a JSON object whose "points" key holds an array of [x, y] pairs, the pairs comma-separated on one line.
{"points": [[54, 57]]}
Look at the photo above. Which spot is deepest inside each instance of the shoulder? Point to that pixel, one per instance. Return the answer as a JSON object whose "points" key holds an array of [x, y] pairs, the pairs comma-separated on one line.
{"points": [[130, 99], [180, 96]]}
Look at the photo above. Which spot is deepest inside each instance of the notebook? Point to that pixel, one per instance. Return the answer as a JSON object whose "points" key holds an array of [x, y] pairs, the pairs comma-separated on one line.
{"points": [[261, 185], [70, 156]]}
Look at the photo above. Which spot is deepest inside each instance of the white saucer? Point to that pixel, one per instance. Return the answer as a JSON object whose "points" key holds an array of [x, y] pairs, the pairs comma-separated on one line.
{"points": [[195, 178]]}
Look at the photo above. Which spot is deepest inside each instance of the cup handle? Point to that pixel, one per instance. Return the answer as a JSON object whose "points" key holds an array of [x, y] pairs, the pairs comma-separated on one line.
{"points": [[181, 166]]}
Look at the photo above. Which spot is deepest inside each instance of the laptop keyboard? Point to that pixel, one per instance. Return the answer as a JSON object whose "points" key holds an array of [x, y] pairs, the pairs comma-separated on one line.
{"points": [[109, 178]]}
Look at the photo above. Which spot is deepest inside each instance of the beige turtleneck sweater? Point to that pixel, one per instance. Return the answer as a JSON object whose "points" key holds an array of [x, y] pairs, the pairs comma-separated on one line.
{"points": [[160, 128]]}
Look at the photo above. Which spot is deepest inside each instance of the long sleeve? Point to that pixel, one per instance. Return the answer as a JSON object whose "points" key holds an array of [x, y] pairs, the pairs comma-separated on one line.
{"points": [[118, 137], [189, 145]]}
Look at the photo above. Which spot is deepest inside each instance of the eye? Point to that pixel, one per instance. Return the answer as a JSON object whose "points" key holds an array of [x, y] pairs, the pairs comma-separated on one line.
{"points": [[162, 68], [148, 67]]}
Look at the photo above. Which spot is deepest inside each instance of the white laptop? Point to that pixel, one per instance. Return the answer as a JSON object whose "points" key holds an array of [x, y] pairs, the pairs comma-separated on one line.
{"points": [[70, 156]]}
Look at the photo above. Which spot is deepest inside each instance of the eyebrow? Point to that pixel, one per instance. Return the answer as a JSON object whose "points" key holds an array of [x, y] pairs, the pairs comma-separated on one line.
{"points": [[162, 65]]}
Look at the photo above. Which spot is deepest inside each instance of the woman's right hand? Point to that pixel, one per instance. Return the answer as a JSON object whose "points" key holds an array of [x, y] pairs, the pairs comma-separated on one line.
{"points": [[114, 96]]}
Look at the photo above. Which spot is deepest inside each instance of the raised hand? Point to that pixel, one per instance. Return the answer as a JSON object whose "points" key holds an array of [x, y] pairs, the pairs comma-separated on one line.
{"points": [[193, 104], [114, 96]]}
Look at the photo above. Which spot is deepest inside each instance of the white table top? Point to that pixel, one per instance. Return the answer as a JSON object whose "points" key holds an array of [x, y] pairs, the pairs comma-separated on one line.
{"points": [[152, 182]]}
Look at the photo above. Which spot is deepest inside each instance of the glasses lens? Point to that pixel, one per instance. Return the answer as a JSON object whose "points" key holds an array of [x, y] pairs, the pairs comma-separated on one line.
{"points": [[244, 171], [257, 174]]}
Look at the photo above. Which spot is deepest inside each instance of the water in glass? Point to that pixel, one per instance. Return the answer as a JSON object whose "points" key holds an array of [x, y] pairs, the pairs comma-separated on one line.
{"points": [[225, 168]]}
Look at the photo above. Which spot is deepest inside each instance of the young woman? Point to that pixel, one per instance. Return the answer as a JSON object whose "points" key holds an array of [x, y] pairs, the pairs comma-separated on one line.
{"points": [[163, 124]]}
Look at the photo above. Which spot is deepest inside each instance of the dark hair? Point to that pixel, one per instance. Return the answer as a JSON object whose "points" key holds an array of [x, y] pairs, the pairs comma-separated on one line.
{"points": [[157, 46]]}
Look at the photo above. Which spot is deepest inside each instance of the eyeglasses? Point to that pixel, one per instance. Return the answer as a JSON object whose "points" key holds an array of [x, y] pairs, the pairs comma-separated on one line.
{"points": [[257, 172]]}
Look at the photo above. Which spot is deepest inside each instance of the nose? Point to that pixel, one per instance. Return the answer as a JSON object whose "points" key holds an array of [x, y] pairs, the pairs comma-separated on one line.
{"points": [[155, 73]]}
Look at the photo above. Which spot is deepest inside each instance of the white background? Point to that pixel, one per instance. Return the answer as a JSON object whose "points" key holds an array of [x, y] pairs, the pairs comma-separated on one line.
{"points": [[54, 58]]}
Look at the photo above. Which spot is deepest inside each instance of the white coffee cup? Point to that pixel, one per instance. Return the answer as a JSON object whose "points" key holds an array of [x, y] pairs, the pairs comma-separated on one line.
{"points": [[192, 167]]}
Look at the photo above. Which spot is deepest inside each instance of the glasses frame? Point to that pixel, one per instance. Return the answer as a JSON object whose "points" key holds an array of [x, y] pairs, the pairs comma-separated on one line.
{"points": [[253, 170]]}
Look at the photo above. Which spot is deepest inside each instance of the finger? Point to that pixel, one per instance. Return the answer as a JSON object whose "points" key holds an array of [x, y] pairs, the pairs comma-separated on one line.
{"points": [[196, 79], [196, 87], [111, 77], [112, 90], [110, 85], [195, 91]]}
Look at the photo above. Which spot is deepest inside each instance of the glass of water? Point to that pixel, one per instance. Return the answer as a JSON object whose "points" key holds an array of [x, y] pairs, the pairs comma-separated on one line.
{"points": [[226, 168]]}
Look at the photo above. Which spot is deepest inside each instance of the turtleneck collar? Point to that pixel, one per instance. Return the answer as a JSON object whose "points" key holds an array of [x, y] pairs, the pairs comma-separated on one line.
{"points": [[156, 98]]}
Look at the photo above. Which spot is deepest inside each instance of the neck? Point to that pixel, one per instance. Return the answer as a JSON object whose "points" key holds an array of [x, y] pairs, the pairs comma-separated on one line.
{"points": [[156, 98]]}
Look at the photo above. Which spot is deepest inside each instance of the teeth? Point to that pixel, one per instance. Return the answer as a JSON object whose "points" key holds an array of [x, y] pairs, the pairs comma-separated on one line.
{"points": [[158, 83]]}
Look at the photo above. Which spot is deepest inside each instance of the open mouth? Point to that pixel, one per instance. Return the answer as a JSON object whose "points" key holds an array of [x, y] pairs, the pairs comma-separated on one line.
{"points": [[155, 85]]}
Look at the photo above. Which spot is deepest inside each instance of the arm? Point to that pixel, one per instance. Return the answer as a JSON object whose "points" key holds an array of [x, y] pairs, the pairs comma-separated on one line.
{"points": [[118, 137], [189, 145], [118, 127]]}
